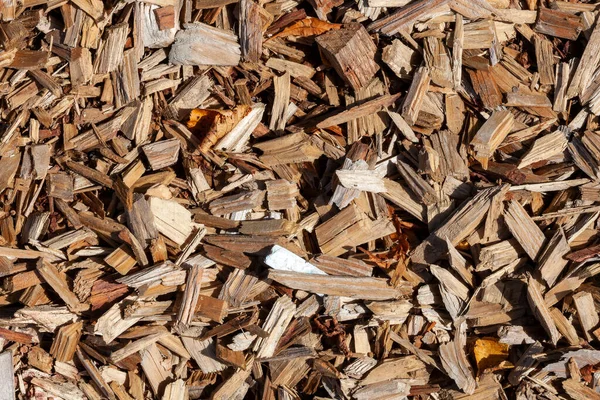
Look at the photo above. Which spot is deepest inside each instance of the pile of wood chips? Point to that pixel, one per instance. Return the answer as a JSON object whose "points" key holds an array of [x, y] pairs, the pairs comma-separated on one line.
{"points": [[288, 199]]}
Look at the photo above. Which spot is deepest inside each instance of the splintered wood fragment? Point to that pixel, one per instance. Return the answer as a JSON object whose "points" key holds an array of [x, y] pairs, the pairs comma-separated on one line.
{"points": [[176, 390], [363, 180], [522, 98], [190, 298], [232, 325], [34, 295], [478, 35], [386, 3], [127, 75], [279, 115], [137, 345], [490, 135], [403, 198], [190, 247], [551, 186], [237, 139], [419, 186], [95, 374], [289, 149], [545, 60], [121, 259], [162, 154], [457, 51], [402, 126], [332, 91], [191, 95], [583, 157], [65, 344], [340, 266], [281, 194], [406, 16], [416, 93], [455, 362], [146, 308], [89, 173], [558, 23], [111, 54], [17, 337], [141, 221], [525, 362], [459, 264], [216, 222], [35, 226], [452, 163], [47, 81], [26, 254], [58, 283], [235, 259], [394, 387], [155, 371], [586, 313], [236, 384], [38, 358], [588, 63], [171, 219], [570, 283], [564, 326], [399, 57], [237, 202], [250, 30], [247, 244], [545, 148], [524, 229], [151, 275], [359, 110], [552, 259], [355, 287], [351, 52], [161, 84], [540, 310], [563, 73], [584, 254], [438, 60], [420, 353], [29, 59], [204, 353], [93, 8], [458, 226], [336, 225], [579, 391], [112, 323], [454, 292], [368, 125], [60, 185], [66, 390], [95, 137], [201, 44], [296, 70], [350, 227], [212, 308], [275, 325]]}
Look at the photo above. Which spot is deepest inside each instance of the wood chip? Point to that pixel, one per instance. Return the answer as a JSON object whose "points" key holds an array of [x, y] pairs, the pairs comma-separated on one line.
{"points": [[299, 199]]}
